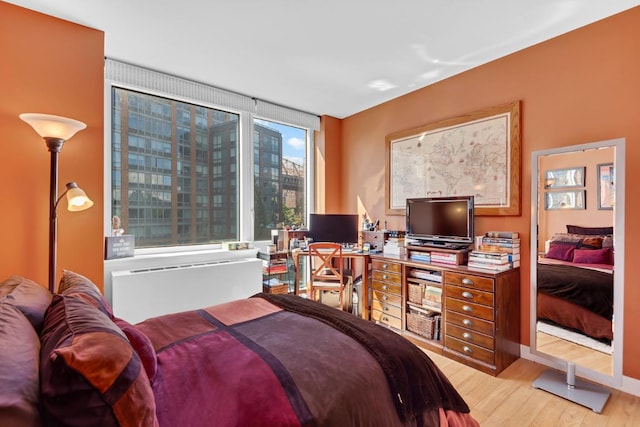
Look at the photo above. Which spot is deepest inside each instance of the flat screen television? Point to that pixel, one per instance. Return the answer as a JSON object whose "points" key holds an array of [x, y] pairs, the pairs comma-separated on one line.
{"points": [[442, 221], [335, 228]]}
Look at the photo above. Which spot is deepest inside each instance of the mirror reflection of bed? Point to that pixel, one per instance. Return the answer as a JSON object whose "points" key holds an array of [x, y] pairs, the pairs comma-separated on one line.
{"points": [[573, 261]]}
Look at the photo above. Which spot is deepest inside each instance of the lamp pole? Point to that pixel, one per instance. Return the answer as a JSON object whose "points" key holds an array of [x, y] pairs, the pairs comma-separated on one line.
{"points": [[55, 146]]}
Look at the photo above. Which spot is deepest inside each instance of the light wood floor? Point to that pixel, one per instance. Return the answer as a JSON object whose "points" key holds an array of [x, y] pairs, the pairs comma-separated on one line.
{"points": [[509, 399], [575, 353]]}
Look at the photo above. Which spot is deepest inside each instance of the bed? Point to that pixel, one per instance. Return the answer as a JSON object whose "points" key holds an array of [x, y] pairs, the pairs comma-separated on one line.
{"points": [[268, 360], [575, 284]]}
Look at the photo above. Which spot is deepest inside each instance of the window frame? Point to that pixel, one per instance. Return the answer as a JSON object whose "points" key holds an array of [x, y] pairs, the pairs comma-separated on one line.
{"points": [[245, 147]]}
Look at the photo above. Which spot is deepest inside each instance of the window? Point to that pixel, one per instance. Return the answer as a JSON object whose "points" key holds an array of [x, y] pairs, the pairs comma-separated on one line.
{"points": [[197, 166], [279, 176], [201, 140]]}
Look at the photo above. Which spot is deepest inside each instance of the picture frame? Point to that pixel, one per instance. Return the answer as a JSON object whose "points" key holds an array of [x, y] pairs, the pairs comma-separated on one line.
{"points": [[606, 186], [484, 147], [564, 178], [573, 199]]}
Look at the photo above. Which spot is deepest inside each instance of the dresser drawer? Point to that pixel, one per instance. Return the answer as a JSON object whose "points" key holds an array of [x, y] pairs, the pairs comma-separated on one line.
{"points": [[390, 288], [469, 336], [384, 276], [386, 319], [385, 297], [470, 295], [390, 309], [393, 267], [471, 350], [469, 308], [470, 322], [470, 281]]}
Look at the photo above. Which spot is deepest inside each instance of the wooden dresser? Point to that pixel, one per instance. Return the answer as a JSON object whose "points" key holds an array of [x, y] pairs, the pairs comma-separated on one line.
{"points": [[480, 311], [386, 293], [482, 319]]}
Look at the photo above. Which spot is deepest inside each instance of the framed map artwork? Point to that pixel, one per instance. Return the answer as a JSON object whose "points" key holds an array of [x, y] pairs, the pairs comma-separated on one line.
{"points": [[475, 154]]}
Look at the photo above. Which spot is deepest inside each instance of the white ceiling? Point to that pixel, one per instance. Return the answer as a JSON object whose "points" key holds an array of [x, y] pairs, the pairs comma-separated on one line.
{"points": [[334, 57]]}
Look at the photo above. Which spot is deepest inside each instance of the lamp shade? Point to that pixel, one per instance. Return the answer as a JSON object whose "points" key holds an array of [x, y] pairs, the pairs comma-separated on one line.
{"points": [[50, 126], [77, 199]]}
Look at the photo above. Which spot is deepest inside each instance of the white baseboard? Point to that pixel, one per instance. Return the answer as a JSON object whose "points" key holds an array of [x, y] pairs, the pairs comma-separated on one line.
{"points": [[629, 385]]}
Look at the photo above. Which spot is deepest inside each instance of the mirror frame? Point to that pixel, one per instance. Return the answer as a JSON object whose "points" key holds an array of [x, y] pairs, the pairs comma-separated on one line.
{"points": [[614, 380]]}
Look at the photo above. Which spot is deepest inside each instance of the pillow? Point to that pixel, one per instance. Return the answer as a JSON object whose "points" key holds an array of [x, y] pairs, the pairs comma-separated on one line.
{"points": [[592, 256], [561, 251], [19, 353], [29, 297], [589, 231], [580, 241], [77, 286], [89, 373], [142, 345]]}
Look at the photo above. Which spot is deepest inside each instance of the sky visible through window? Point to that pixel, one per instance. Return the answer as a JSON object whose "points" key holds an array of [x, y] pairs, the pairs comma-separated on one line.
{"points": [[293, 140]]}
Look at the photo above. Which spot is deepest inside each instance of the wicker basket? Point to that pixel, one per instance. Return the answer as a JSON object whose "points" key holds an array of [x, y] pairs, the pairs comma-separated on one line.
{"points": [[421, 324], [416, 292]]}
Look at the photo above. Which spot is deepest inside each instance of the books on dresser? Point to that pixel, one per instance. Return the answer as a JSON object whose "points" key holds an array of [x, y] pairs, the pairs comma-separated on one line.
{"points": [[496, 251]]}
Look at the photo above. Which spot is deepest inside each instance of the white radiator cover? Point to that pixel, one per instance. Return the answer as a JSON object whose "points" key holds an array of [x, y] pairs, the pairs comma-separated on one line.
{"points": [[139, 294]]}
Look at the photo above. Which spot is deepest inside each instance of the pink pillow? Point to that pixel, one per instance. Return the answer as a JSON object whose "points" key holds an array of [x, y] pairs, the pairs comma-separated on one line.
{"points": [[592, 256], [563, 252], [142, 345]]}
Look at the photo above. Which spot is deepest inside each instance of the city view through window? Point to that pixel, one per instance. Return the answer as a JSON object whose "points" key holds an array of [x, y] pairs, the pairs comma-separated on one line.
{"points": [[176, 168]]}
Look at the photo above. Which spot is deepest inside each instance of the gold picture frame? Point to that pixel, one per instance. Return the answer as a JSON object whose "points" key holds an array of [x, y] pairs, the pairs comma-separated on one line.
{"points": [[474, 154]]}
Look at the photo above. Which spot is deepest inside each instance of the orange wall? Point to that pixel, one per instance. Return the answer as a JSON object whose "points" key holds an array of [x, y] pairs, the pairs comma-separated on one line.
{"points": [[581, 87], [55, 67]]}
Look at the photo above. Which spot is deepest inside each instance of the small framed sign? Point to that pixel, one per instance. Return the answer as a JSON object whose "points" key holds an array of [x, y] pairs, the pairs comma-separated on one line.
{"points": [[119, 246]]}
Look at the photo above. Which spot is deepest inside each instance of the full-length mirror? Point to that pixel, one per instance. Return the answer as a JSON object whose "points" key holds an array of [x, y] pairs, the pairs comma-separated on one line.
{"points": [[577, 271]]}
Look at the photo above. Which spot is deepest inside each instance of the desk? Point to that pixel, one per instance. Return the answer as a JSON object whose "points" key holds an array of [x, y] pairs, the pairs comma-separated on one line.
{"points": [[363, 257]]}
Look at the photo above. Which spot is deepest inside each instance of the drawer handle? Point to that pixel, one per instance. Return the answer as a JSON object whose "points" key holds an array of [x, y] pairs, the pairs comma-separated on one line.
{"points": [[467, 336], [385, 266], [385, 318], [385, 308], [385, 287], [467, 322], [384, 297], [467, 295], [384, 276], [466, 281], [467, 349], [467, 308]]}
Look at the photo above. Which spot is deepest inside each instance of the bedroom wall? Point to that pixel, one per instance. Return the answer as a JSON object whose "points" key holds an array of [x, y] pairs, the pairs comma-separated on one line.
{"points": [[55, 67], [577, 88]]}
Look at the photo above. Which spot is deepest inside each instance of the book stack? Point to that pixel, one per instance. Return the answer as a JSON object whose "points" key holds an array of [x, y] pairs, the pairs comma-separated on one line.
{"points": [[444, 257], [274, 266], [496, 251], [433, 298], [394, 246], [420, 256], [499, 241]]}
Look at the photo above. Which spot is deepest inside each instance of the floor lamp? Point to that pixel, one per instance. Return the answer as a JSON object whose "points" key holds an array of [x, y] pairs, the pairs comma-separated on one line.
{"points": [[56, 130]]}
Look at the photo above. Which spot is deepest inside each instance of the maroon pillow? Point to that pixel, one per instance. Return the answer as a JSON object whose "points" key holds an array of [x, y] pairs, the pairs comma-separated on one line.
{"points": [[90, 374], [589, 231], [561, 251], [592, 256], [142, 345], [77, 286], [19, 382]]}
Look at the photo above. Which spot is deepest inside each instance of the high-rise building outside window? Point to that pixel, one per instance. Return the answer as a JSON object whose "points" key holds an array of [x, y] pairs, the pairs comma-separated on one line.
{"points": [[279, 177], [174, 167]]}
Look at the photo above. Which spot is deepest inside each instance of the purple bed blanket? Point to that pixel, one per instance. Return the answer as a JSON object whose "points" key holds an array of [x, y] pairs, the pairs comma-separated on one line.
{"points": [[280, 360]]}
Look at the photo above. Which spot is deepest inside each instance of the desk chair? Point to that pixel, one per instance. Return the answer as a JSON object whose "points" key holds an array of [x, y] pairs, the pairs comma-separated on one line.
{"points": [[327, 270]]}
